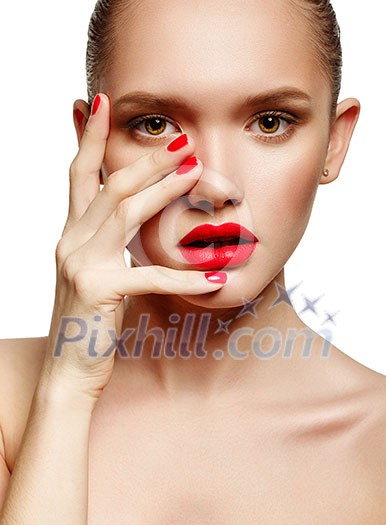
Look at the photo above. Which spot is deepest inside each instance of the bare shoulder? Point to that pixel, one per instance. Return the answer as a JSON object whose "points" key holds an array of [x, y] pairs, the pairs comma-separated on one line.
{"points": [[21, 360], [371, 383], [365, 389], [371, 450], [369, 438], [20, 365], [374, 397]]}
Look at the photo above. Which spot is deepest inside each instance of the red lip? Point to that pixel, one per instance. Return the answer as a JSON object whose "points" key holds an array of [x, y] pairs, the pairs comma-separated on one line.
{"points": [[213, 247]]}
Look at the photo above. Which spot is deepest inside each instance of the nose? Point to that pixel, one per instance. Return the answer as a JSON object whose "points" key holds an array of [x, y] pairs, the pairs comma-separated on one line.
{"points": [[217, 186]]}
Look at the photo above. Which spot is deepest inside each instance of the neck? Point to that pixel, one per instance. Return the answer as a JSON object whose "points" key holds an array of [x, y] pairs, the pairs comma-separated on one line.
{"points": [[181, 349]]}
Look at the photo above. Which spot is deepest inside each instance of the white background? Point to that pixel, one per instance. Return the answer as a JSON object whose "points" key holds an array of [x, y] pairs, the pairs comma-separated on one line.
{"points": [[341, 256]]}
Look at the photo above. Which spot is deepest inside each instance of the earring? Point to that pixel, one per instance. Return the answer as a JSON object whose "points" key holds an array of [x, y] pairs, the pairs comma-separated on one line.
{"points": [[326, 172]]}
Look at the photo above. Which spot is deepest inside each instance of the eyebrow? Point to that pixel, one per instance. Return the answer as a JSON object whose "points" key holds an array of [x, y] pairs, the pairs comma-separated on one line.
{"points": [[145, 99]]}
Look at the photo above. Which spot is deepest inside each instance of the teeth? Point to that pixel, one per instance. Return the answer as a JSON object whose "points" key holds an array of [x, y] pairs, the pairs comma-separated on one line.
{"points": [[217, 243]]}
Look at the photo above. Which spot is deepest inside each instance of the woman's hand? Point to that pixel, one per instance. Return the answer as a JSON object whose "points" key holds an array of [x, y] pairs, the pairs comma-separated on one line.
{"points": [[92, 277]]}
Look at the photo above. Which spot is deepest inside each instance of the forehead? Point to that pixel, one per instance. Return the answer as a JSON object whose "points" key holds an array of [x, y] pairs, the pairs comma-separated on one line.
{"points": [[212, 46]]}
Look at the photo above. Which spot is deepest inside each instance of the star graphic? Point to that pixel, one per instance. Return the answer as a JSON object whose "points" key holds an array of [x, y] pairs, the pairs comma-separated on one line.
{"points": [[223, 326], [249, 307], [330, 318], [310, 305], [283, 295], [291, 290]]}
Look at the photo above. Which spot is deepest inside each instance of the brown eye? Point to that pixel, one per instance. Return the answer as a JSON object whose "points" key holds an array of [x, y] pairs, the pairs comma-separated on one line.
{"points": [[155, 126], [273, 126], [151, 127], [269, 124]]}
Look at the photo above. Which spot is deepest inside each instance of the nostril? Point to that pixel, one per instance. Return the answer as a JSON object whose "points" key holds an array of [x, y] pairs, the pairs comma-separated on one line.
{"points": [[203, 205], [209, 204]]}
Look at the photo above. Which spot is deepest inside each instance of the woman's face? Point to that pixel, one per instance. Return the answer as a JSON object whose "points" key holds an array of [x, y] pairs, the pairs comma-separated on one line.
{"points": [[257, 105]]}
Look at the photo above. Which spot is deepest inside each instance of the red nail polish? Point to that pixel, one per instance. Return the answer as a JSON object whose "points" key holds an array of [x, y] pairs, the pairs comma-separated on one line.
{"points": [[187, 166], [96, 104], [79, 117], [178, 143], [216, 277]]}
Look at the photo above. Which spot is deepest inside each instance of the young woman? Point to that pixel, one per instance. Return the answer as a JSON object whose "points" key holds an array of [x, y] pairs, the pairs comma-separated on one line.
{"points": [[184, 388]]}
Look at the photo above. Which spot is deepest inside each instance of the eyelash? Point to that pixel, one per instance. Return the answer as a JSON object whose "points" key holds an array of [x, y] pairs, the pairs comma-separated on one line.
{"points": [[288, 118], [139, 120]]}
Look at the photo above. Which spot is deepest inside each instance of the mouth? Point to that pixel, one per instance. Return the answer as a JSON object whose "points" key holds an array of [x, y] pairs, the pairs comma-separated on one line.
{"points": [[217, 243], [215, 247]]}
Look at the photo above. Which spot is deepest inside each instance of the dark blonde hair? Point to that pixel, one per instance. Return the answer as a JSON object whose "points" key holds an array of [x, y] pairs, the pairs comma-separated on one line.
{"points": [[324, 34]]}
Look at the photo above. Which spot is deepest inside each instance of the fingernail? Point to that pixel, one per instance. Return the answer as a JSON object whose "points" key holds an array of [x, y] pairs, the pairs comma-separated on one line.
{"points": [[187, 166], [96, 104], [178, 143], [216, 277]]}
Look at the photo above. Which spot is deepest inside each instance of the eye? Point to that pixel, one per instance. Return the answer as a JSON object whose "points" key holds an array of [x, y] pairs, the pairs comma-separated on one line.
{"points": [[273, 126], [269, 124], [151, 127]]}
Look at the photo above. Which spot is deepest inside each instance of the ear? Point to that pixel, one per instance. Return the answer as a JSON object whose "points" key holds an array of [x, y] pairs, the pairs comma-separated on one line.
{"points": [[347, 114], [81, 113]]}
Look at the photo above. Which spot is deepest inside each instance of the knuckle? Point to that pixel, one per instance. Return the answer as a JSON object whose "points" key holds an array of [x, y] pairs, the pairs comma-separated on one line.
{"points": [[78, 167], [155, 284], [122, 210], [88, 132], [116, 183], [70, 268], [164, 185], [168, 190], [155, 160], [159, 274], [83, 281], [74, 167], [61, 252]]}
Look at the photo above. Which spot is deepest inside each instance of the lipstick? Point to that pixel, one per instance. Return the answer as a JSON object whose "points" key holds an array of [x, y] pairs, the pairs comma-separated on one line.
{"points": [[213, 247]]}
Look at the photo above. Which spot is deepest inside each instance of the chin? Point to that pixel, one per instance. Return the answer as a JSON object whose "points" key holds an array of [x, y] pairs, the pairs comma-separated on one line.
{"points": [[237, 291], [223, 299]]}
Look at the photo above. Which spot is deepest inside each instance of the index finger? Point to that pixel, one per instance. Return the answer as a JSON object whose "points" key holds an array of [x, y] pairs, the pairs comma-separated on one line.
{"points": [[86, 166]]}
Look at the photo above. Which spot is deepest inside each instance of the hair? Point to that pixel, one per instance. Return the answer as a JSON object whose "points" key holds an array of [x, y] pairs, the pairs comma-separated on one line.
{"points": [[108, 15], [324, 33]]}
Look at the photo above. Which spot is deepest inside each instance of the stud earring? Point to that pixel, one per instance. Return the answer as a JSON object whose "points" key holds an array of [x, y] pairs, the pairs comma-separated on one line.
{"points": [[326, 172]]}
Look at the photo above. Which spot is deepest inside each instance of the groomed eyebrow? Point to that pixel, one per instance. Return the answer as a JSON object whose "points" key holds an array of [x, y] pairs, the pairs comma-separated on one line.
{"points": [[145, 99], [278, 96]]}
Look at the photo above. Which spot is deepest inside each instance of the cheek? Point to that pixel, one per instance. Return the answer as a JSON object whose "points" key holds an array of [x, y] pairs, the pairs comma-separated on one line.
{"points": [[282, 196], [119, 153], [297, 193]]}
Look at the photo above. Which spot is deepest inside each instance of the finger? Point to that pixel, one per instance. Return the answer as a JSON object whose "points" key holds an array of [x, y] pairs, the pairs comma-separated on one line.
{"points": [[113, 285], [141, 174], [118, 230], [85, 168]]}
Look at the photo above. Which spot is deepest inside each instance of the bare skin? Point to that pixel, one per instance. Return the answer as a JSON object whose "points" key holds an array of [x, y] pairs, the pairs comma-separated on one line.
{"points": [[313, 454], [232, 440]]}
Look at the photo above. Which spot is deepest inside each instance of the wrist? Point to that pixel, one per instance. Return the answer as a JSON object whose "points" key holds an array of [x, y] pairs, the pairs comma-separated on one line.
{"points": [[58, 392]]}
